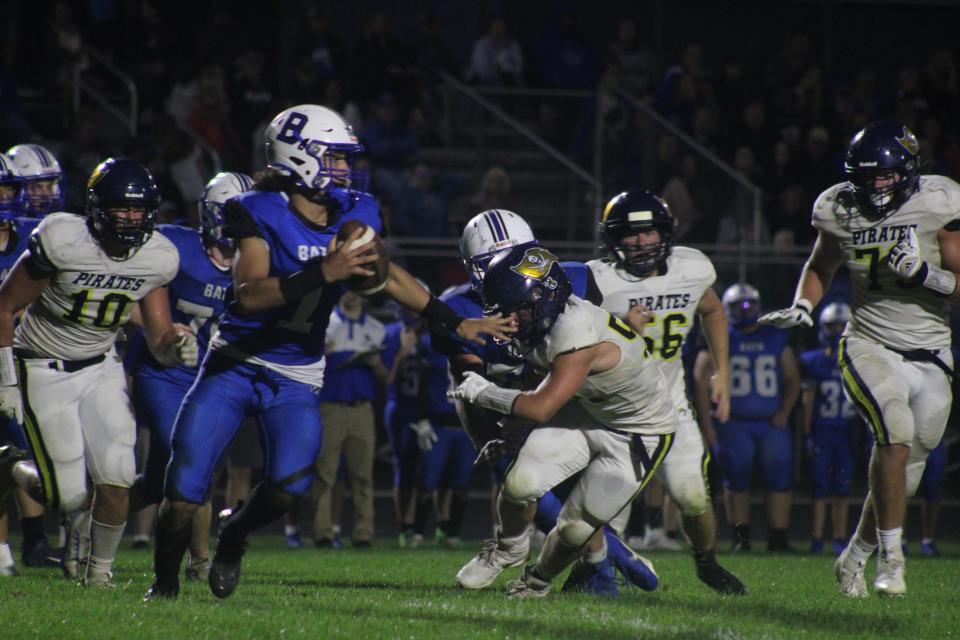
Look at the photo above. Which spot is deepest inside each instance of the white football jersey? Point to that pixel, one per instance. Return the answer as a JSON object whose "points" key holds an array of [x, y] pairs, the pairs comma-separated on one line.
{"points": [[631, 396], [672, 298], [91, 295], [886, 308]]}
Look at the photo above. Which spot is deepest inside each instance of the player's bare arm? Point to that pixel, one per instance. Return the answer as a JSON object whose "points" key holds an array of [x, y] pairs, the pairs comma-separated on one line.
{"points": [[404, 288], [170, 344], [713, 320], [815, 279], [790, 377], [702, 372], [22, 286], [568, 372]]}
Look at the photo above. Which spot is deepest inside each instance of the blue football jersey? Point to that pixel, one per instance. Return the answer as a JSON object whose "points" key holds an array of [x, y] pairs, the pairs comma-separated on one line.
{"points": [[405, 390], [831, 409], [198, 295], [20, 230], [295, 333], [755, 372]]}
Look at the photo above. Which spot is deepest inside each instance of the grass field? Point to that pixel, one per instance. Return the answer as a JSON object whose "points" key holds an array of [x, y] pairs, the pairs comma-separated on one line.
{"points": [[392, 593]]}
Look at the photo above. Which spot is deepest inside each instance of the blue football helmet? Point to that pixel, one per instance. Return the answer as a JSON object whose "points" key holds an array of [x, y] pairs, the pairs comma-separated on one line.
{"points": [[221, 188], [41, 176], [833, 320], [303, 142], [119, 183], [11, 190], [883, 149], [741, 301], [487, 234], [628, 214], [527, 281]]}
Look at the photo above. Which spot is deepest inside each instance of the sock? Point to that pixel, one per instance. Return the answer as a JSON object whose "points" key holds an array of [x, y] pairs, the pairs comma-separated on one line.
{"points": [[509, 542], [32, 531], [927, 541], [78, 536], [458, 507], [421, 513], [265, 505], [6, 556], [596, 557], [104, 541], [705, 558], [548, 509], [169, 549], [291, 530], [890, 540], [141, 537], [336, 530], [741, 532], [860, 551], [536, 577]]}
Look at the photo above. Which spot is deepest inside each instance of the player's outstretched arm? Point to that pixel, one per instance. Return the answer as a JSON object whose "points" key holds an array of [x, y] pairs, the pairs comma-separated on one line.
{"points": [[815, 279], [791, 382], [713, 319], [170, 344]]}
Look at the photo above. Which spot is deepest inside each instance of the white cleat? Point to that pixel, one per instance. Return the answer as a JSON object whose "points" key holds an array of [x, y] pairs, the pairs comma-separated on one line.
{"points": [[102, 580], [889, 580], [484, 568], [849, 575], [527, 587], [658, 540]]}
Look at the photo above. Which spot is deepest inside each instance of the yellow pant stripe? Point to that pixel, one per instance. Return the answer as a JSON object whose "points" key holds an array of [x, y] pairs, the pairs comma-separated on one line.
{"points": [[861, 395], [45, 468]]}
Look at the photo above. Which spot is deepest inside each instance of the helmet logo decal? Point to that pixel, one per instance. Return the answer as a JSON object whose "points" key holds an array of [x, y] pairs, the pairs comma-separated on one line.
{"points": [[536, 263], [640, 216], [96, 175], [909, 142]]}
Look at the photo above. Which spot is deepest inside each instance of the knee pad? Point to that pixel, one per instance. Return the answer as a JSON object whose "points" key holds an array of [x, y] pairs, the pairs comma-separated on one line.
{"points": [[575, 533], [914, 475], [73, 498], [520, 488]]}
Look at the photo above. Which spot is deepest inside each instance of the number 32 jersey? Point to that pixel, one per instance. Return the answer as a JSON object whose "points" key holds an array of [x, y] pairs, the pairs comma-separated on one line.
{"points": [[887, 309], [90, 295], [672, 298]]}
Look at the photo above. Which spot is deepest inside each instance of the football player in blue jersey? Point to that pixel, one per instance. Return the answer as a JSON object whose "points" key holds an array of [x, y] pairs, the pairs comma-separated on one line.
{"points": [[830, 428], [197, 298], [486, 235], [267, 357], [41, 176], [764, 387]]}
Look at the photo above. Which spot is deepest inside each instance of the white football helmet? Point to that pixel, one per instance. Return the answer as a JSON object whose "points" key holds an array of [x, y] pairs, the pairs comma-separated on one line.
{"points": [[11, 198], [302, 141], [833, 320], [221, 188], [42, 178], [487, 234], [741, 301]]}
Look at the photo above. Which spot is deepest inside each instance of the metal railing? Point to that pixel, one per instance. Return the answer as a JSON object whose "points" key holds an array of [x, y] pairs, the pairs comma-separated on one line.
{"points": [[82, 87]]}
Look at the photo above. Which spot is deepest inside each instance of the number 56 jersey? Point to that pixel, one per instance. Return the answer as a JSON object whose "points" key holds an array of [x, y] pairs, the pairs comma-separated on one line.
{"points": [[886, 309], [672, 298], [90, 295]]}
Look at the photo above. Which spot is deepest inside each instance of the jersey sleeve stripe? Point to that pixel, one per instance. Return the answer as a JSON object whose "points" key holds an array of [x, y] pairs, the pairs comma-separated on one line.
{"points": [[867, 405], [45, 467]]}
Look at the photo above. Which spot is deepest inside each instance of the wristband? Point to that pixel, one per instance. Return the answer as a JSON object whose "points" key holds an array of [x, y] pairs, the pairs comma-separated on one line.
{"points": [[439, 313], [803, 303], [8, 371], [305, 281], [498, 399], [940, 281]]}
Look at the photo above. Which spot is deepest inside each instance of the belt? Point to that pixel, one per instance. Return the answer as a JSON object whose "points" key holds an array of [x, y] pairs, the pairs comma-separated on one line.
{"points": [[66, 366], [925, 355]]}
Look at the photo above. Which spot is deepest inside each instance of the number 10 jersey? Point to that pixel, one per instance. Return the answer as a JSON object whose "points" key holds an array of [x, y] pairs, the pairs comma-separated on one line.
{"points": [[90, 295]]}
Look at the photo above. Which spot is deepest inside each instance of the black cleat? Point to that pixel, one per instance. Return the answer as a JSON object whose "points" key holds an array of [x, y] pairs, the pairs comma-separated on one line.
{"points": [[41, 554], [225, 568], [717, 578], [158, 591]]}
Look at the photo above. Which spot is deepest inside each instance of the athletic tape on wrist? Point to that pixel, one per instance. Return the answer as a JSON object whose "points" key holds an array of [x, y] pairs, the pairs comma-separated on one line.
{"points": [[498, 399], [8, 370], [940, 281]]}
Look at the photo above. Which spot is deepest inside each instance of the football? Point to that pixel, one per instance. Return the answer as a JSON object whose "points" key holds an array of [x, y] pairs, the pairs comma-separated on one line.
{"points": [[366, 286]]}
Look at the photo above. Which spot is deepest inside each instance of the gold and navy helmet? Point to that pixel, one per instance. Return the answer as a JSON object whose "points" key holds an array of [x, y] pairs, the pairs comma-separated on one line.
{"points": [[628, 214], [120, 183], [883, 149]]}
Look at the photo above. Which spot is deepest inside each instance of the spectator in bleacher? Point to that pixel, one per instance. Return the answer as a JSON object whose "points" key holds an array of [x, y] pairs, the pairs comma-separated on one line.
{"points": [[752, 130], [421, 209], [250, 93], [562, 58], [818, 168], [431, 59], [381, 64], [385, 135], [794, 82], [634, 58], [941, 85], [321, 49], [496, 58], [210, 117], [334, 98], [791, 214]]}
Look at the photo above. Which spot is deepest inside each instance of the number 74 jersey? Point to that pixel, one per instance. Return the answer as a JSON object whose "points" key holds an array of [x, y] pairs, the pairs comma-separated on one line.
{"points": [[885, 308], [90, 295], [671, 297]]}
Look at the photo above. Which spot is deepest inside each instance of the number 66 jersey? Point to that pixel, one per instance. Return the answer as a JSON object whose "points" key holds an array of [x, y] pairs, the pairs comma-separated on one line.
{"points": [[90, 295], [887, 309]]}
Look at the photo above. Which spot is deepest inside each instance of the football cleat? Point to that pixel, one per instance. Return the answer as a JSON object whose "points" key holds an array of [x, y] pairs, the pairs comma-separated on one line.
{"points": [[161, 592], [716, 577], [527, 586], [416, 540], [839, 544], [98, 579], [8, 570], [849, 574], [635, 568], [197, 569], [78, 544], [889, 580], [658, 540], [929, 549], [225, 570], [493, 558], [294, 542], [596, 579], [41, 554], [816, 546]]}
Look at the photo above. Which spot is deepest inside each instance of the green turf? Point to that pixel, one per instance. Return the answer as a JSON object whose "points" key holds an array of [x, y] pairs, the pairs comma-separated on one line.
{"points": [[392, 593]]}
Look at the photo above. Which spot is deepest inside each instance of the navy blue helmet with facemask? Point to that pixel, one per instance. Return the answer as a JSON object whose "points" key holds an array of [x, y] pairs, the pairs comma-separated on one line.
{"points": [[884, 149]]}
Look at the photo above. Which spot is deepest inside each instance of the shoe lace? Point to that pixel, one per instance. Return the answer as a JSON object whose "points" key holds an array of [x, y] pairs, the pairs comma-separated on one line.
{"points": [[487, 549]]}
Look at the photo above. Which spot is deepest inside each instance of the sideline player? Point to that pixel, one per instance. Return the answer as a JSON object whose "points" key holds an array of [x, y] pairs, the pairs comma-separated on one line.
{"points": [[596, 363], [42, 179], [267, 357], [81, 277], [896, 231], [672, 284]]}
